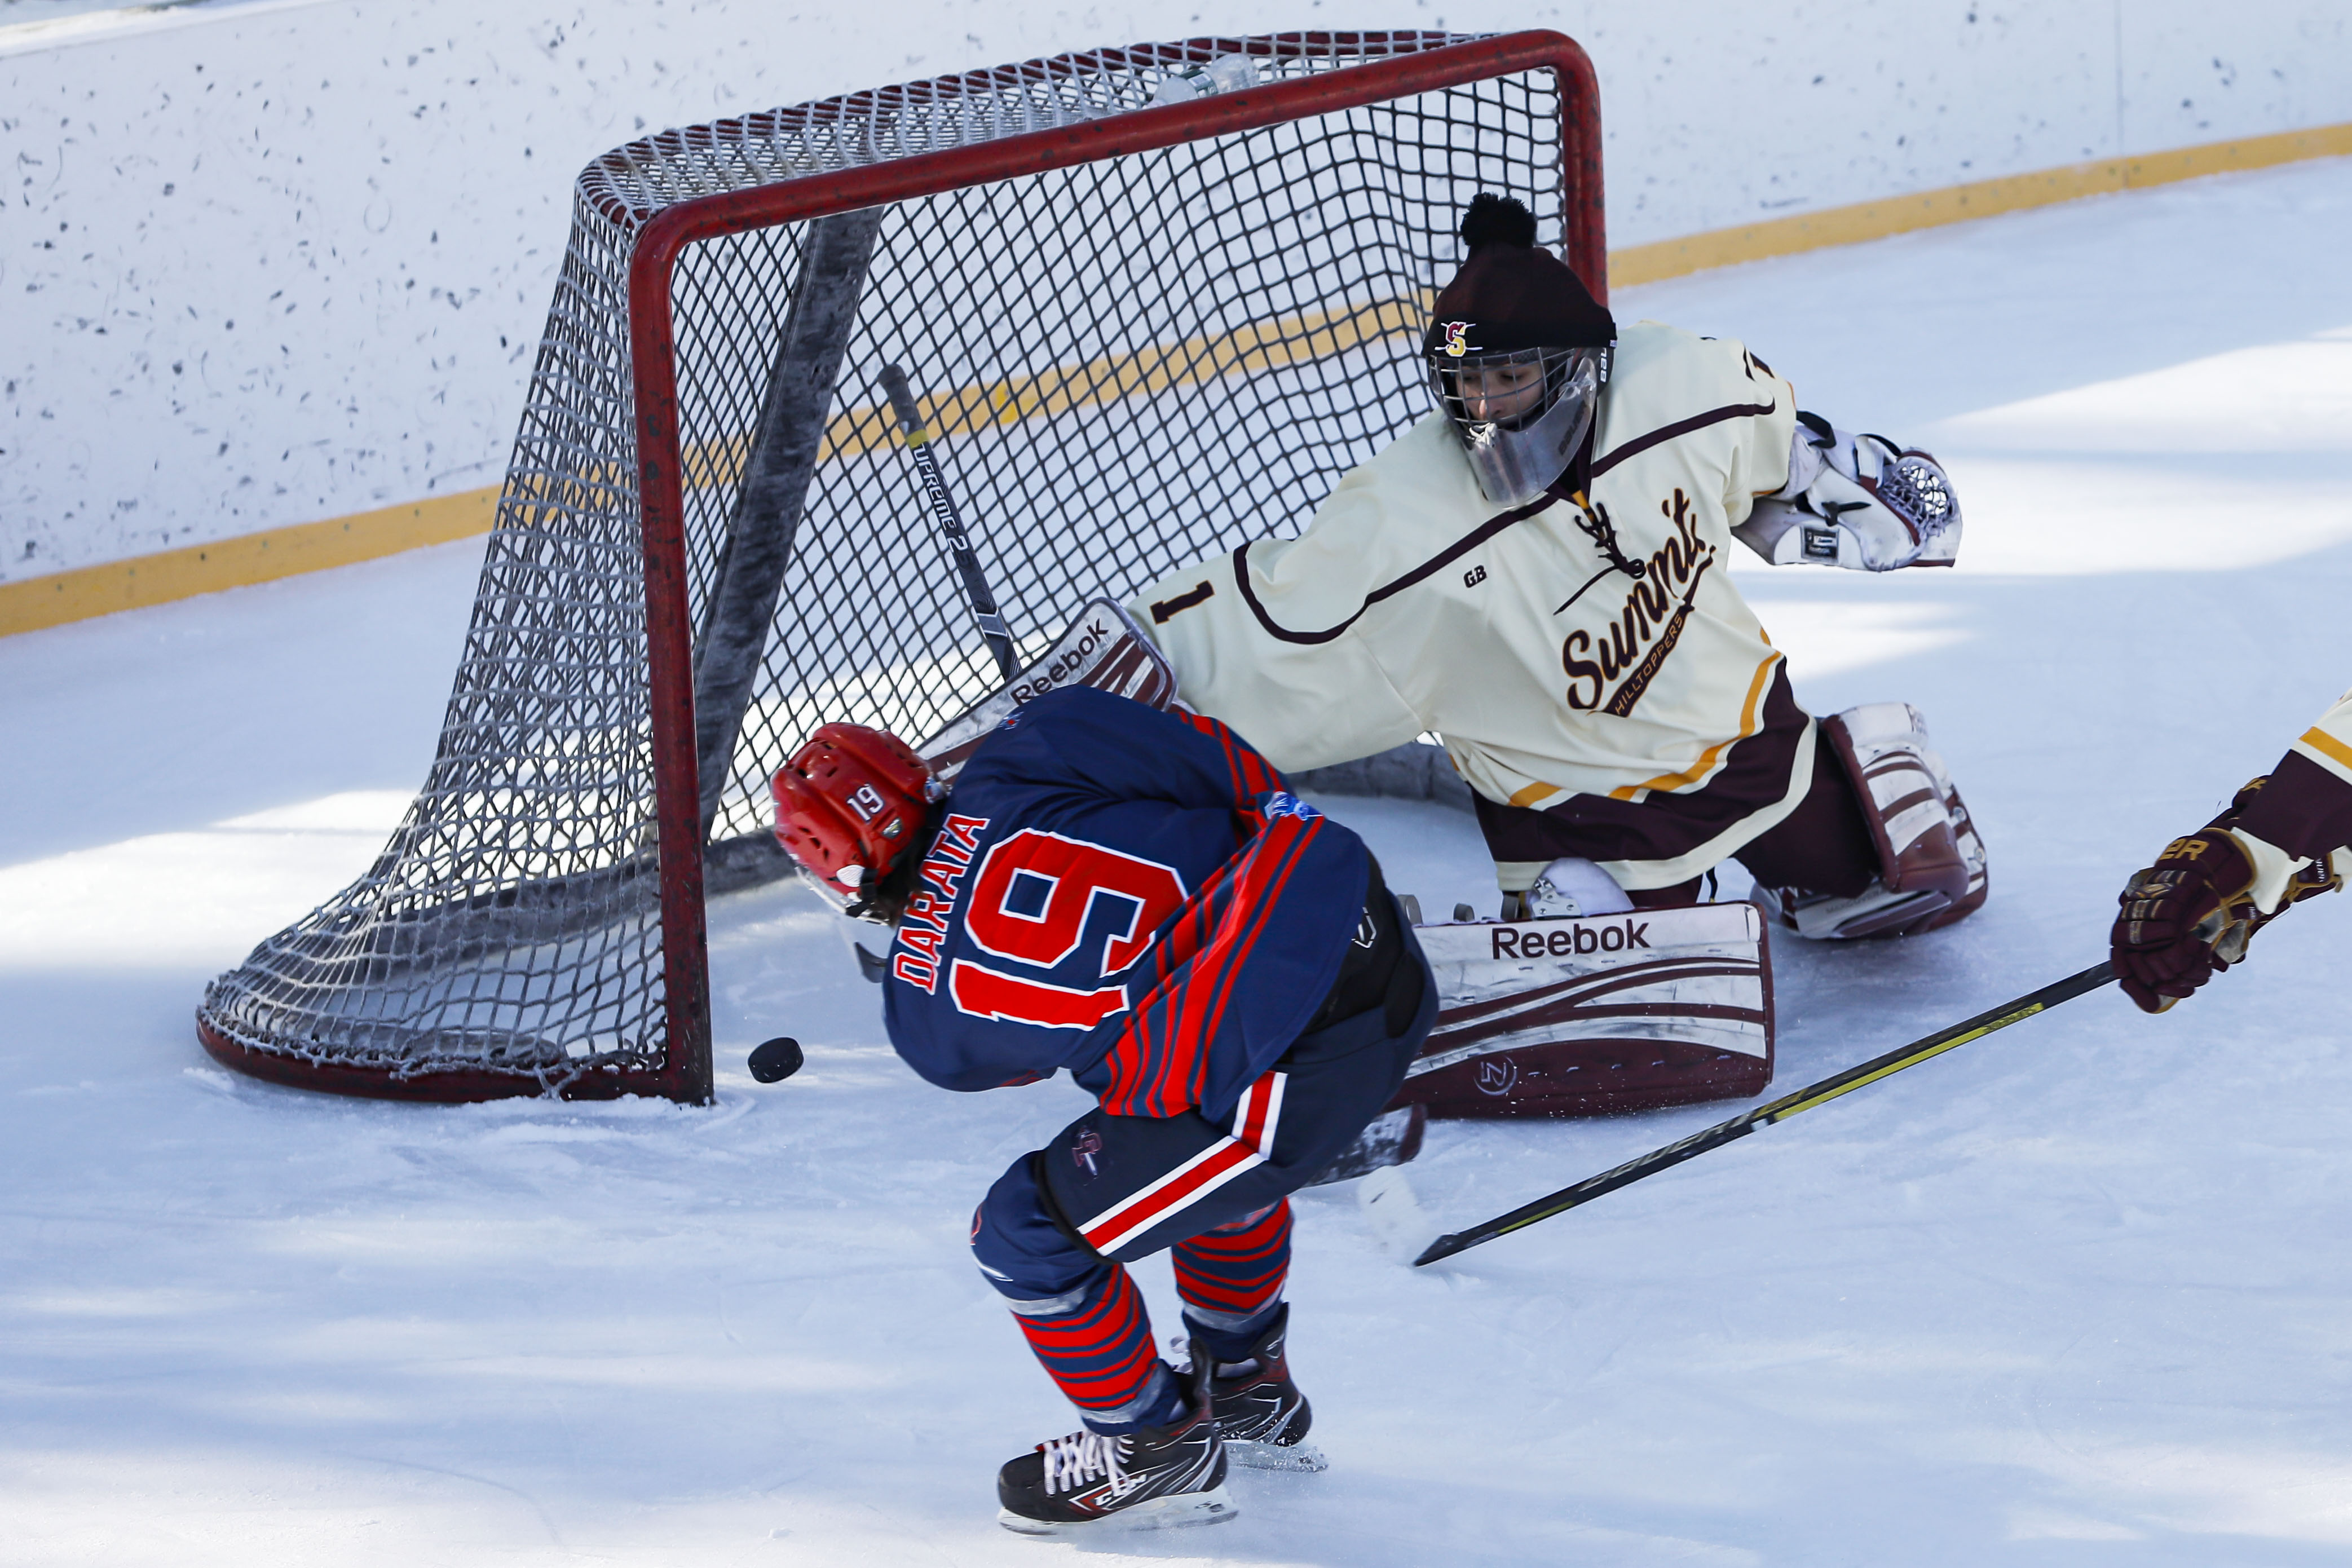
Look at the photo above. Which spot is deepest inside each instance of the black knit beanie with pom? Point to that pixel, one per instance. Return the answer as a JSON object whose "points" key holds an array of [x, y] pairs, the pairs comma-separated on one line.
{"points": [[1511, 293]]}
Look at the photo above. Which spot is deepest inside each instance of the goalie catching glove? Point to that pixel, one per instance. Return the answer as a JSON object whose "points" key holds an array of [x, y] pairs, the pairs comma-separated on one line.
{"points": [[2192, 912], [1856, 501]]}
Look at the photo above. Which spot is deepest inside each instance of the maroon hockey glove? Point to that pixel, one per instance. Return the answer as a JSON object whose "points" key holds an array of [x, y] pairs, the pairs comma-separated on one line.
{"points": [[2191, 914], [2183, 917]]}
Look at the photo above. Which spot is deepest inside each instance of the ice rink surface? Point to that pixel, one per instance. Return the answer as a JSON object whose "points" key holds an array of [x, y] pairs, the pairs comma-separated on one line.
{"points": [[2079, 1294]]}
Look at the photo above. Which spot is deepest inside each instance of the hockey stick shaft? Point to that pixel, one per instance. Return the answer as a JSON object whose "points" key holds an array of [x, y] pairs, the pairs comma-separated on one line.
{"points": [[992, 629], [1780, 1110]]}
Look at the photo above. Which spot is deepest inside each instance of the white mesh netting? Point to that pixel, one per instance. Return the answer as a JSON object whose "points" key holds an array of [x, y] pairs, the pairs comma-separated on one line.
{"points": [[1131, 362]]}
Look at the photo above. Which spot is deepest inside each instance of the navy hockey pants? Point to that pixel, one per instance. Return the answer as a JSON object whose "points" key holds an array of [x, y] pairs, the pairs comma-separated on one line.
{"points": [[1054, 1231]]}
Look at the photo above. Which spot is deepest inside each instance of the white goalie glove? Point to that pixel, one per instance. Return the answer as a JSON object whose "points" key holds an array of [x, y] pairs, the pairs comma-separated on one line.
{"points": [[1856, 501]]}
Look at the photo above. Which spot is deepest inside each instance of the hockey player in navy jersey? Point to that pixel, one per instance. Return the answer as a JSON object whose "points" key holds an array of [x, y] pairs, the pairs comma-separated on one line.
{"points": [[1129, 895]]}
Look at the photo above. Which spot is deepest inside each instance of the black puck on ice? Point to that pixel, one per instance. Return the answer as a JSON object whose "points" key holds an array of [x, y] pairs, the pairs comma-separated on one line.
{"points": [[776, 1061]]}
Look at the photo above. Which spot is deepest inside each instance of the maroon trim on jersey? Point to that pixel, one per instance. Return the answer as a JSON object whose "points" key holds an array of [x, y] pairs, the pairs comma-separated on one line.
{"points": [[1438, 562], [1665, 826], [1666, 433], [2304, 810], [1486, 530]]}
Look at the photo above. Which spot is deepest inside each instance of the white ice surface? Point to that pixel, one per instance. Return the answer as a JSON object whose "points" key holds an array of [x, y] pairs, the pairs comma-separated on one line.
{"points": [[2078, 1293]]}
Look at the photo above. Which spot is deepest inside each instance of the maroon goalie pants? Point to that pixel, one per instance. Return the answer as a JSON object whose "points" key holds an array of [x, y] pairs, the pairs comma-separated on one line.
{"points": [[1822, 846]]}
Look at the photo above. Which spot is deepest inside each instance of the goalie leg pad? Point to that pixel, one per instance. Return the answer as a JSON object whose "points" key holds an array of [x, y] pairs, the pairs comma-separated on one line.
{"points": [[1931, 868], [1589, 1015]]}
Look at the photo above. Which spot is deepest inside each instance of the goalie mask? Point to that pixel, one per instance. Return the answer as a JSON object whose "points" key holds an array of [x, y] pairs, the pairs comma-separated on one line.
{"points": [[1518, 353], [850, 806]]}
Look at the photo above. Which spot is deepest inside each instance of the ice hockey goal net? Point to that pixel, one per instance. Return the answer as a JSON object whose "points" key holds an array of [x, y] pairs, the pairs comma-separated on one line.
{"points": [[1156, 300]]}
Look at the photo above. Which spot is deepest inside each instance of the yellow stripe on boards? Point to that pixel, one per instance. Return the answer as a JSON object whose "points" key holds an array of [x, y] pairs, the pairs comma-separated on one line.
{"points": [[1958, 204], [141, 581], [1164, 366], [36, 603]]}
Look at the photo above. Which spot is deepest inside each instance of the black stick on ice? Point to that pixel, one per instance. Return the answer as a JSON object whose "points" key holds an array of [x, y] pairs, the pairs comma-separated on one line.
{"points": [[992, 630], [1779, 1110]]}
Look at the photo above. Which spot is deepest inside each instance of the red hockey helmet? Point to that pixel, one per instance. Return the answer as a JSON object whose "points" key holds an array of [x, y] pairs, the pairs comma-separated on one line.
{"points": [[848, 805]]}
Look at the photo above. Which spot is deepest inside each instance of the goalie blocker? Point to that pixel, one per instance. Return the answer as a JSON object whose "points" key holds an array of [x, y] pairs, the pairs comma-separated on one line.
{"points": [[1102, 648], [1587, 1016]]}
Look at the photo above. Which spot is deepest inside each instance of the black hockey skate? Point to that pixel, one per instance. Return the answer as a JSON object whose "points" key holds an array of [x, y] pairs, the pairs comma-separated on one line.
{"points": [[1260, 1414], [1158, 1478]]}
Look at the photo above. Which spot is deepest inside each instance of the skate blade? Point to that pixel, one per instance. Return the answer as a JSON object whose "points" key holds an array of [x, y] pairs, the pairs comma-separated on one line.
{"points": [[1276, 1457], [1215, 1506]]}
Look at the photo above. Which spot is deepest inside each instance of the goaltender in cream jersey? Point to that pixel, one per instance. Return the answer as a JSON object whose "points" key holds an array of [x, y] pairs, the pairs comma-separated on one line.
{"points": [[1521, 638]]}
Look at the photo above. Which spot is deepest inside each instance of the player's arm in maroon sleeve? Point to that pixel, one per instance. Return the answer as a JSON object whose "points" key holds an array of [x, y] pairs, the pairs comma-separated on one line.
{"points": [[2304, 809]]}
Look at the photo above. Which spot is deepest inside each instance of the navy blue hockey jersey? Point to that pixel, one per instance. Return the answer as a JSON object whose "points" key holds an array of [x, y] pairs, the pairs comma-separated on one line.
{"points": [[1126, 893]]}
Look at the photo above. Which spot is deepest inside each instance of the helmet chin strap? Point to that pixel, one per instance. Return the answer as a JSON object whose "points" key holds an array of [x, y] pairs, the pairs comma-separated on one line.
{"points": [[862, 890], [869, 902]]}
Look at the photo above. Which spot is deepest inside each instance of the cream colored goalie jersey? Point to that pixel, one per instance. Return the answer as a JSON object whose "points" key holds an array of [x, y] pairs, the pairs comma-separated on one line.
{"points": [[1411, 603]]}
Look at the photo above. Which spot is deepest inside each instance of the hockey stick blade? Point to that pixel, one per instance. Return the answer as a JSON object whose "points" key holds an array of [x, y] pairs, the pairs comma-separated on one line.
{"points": [[1780, 1110], [992, 629]]}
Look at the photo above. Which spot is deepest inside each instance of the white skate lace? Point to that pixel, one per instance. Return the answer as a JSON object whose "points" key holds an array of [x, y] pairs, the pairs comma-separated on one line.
{"points": [[1073, 1461]]}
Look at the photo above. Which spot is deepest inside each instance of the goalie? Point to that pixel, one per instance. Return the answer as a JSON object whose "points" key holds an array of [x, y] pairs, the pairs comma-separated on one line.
{"points": [[1535, 572]]}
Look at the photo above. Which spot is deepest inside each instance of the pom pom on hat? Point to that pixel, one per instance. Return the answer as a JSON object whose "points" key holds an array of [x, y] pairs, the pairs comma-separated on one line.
{"points": [[1491, 219], [1512, 293]]}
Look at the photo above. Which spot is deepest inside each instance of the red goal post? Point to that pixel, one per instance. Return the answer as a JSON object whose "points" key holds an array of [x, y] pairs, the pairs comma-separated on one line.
{"points": [[537, 924]]}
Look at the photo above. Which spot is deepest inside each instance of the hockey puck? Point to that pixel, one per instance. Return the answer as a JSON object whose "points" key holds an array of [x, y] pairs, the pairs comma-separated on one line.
{"points": [[776, 1061]]}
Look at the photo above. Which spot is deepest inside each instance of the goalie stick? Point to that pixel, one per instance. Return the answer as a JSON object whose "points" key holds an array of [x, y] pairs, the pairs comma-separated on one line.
{"points": [[1779, 1110], [992, 629]]}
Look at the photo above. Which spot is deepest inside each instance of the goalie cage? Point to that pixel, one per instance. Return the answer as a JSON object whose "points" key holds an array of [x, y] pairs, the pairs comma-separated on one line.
{"points": [[1154, 321]]}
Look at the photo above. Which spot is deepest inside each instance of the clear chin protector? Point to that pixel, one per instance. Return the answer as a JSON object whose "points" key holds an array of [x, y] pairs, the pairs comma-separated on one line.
{"points": [[851, 891], [1515, 457], [844, 889]]}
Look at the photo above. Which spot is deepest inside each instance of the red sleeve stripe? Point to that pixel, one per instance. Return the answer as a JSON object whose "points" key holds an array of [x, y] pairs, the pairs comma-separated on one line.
{"points": [[1251, 774], [1197, 1007]]}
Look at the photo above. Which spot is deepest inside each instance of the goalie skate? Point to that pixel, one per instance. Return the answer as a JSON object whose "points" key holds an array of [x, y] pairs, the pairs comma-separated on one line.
{"points": [[1583, 1016], [1102, 649]]}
